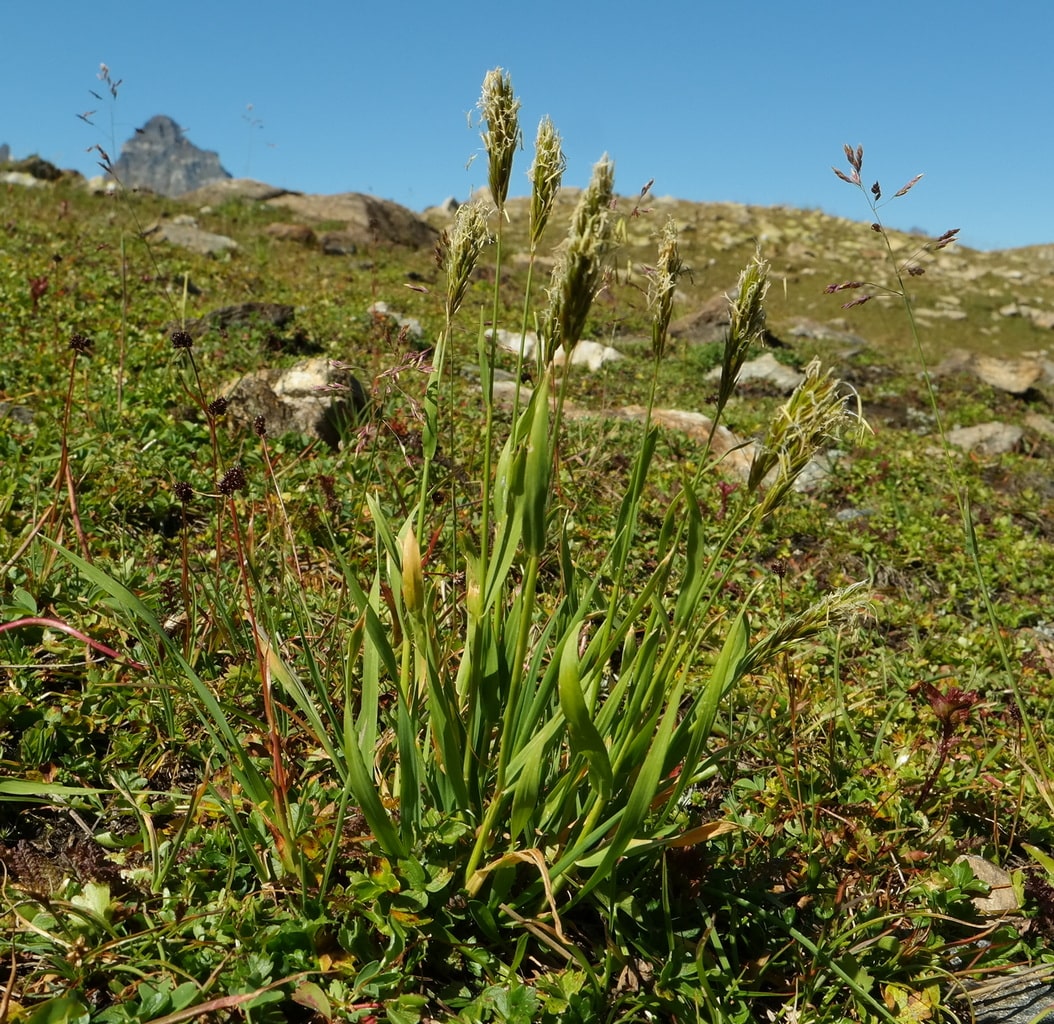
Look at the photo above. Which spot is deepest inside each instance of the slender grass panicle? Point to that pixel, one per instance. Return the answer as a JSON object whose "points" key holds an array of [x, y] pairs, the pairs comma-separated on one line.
{"points": [[579, 268], [668, 269], [460, 249], [746, 325], [817, 414], [841, 607], [500, 111], [546, 174]]}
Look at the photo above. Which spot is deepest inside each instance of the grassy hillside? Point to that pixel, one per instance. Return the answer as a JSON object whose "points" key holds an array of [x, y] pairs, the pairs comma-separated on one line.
{"points": [[511, 714]]}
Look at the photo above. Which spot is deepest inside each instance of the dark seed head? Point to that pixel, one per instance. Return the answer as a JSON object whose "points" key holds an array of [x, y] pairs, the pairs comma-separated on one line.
{"points": [[218, 406], [233, 480], [260, 426], [80, 343], [182, 339], [183, 491]]}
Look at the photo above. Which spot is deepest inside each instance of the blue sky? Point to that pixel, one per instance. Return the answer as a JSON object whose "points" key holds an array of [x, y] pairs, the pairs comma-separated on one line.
{"points": [[745, 102]]}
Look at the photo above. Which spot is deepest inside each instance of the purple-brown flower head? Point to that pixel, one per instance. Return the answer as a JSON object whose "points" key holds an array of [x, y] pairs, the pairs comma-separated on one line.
{"points": [[232, 481], [181, 339]]}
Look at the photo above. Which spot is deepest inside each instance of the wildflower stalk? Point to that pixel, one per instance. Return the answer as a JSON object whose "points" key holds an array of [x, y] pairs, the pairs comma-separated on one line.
{"points": [[276, 817], [79, 345], [499, 110], [902, 268], [746, 327], [546, 176], [663, 284], [577, 276], [457, 254]]}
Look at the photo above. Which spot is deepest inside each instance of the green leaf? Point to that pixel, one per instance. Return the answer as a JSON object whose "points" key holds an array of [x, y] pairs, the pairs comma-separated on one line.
{"points": [[1044, 860], [24, 789], [585, 740], [94, 897], [63, 1010], [310, 995]]}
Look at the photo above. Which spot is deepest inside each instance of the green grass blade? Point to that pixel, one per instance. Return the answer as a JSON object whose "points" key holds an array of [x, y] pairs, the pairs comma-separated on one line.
{"points": [[585, 740]]}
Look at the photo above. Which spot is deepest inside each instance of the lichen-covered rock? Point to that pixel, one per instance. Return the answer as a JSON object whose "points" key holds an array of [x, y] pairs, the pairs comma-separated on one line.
{"points": [[317, 397]]}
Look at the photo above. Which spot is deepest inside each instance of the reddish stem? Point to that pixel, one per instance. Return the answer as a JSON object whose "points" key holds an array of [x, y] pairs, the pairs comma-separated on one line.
{"points": [[76, 634]]}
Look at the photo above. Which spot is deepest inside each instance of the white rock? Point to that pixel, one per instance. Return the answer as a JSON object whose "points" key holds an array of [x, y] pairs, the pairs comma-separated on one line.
{"points": [[986, 438], [590, 354], [21, 178]]}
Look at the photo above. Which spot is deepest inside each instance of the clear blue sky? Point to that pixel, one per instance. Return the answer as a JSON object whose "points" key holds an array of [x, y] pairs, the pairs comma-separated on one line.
{"points": [[748, 102]]}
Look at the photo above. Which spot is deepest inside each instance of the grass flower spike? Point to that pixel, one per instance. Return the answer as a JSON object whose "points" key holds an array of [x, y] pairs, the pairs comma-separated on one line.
{"points": [[500, 111], [746, 325], [668, 268], [460, 250], [577, 275], [815, 415], [546, 175]]}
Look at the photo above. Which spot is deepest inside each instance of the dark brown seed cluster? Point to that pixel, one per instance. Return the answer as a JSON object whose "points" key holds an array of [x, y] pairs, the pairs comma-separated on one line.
{"points": [[217, 407], [183, 491], [81, 344], [182, 339], [232, 481]]}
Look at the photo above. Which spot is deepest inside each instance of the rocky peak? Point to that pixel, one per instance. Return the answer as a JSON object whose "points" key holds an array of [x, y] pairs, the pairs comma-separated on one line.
{"points": [[160, 157]]}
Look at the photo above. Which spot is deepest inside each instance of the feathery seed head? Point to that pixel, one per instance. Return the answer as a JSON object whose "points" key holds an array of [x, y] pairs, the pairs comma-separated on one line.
{"points": [[840, 607], [500, 111], [580, 263], [596, 201], [747, 308], [816, 415], [746, 316], [668, 268], [461, 249], [546, 175]]}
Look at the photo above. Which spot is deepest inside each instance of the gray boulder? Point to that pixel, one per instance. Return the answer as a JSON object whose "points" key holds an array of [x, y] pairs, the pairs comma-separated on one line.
{"points": [[184, 232], [317, 397], [225, 189], [1015, 376], [987, 438], [765, 370], [368, 221]]}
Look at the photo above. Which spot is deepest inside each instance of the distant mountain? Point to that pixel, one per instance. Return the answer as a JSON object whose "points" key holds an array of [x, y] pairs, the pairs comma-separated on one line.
{"points": [[5, 153], [160, 157]]}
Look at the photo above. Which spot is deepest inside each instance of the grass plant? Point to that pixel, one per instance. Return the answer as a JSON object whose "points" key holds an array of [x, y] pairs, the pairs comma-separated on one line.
{"points": [[498, 713]]}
